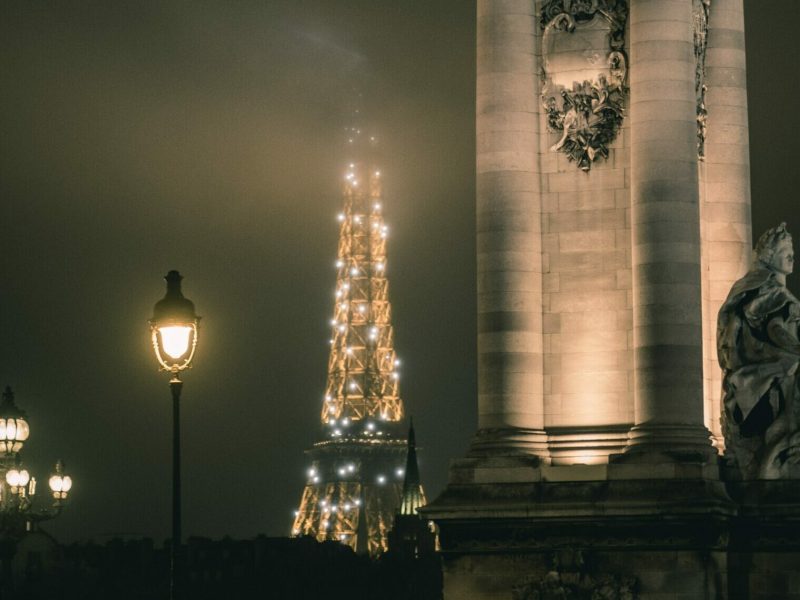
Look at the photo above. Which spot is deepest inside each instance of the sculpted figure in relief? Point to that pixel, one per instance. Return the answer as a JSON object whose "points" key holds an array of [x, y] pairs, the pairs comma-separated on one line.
{"points": [[758, 344]]}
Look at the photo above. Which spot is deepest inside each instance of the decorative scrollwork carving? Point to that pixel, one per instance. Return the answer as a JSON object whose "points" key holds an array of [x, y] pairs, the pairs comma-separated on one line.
{"points": [[575, 586], [584, 77], [566, 14], [569, 578], [702, 9]]}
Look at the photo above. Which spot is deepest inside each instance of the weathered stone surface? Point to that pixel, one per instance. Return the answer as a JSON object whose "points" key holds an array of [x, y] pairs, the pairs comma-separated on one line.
{"points": [[675, 529]]}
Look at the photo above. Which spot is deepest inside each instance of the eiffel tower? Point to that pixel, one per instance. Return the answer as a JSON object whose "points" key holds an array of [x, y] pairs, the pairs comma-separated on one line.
{"points": [[356, 470]]}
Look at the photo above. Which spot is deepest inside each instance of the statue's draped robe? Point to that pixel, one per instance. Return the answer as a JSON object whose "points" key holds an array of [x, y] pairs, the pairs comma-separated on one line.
{"points": [[758, 374]]}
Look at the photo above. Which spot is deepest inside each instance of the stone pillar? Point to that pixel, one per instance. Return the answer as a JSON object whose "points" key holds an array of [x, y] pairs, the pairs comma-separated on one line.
{"points": [[724, 183], [510, 383], [665, 219]]}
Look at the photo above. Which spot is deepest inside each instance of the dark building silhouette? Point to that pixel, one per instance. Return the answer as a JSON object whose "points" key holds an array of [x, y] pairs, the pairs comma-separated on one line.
{"points": [[35, 567]]}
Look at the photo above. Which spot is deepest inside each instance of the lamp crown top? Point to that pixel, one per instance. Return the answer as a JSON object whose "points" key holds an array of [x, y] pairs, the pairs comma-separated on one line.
{"points": [[9, 408], [174, 306], [173, 279]]}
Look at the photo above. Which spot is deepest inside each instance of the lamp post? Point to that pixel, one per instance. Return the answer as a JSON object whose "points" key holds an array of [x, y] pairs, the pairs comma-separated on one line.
{"points": [[174, 333]]}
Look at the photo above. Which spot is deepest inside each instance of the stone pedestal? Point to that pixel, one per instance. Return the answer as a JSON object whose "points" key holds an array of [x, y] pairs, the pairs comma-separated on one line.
{"points": [[513, 529]]}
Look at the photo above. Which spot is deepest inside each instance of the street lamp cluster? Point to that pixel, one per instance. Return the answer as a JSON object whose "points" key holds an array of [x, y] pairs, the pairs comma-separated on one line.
{"points": [[17, 486]]}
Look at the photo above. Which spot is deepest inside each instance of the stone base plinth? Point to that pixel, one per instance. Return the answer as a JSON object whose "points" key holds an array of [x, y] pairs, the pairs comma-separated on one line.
{"points": [[514, 529]]}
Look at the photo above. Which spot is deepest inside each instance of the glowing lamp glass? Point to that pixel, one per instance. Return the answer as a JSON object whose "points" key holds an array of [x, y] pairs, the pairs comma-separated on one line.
{"points": [[12, 433], [60, 483], [175, 340], [13, 477], [56, 483], [23, 430]]}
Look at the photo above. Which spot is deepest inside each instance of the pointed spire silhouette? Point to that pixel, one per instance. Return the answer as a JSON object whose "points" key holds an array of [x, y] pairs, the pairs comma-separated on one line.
{"points": [[413, 496]]}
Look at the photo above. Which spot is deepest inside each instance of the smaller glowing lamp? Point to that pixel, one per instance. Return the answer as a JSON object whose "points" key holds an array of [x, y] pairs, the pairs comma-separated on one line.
{"points": [[17, 478], [60, 484]]}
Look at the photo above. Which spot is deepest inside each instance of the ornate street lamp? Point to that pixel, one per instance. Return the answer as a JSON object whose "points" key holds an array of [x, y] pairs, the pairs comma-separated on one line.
{"points": [[174, 332], [174, 328], [17, 486], [14, 429]]}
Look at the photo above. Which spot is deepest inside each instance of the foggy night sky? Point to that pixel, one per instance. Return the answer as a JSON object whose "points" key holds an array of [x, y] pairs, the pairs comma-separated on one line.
{"points": [[206, 137]]}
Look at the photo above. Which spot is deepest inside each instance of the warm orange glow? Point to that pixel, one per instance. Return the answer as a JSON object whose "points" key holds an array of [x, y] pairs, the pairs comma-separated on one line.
{"points": [[589, 458]]}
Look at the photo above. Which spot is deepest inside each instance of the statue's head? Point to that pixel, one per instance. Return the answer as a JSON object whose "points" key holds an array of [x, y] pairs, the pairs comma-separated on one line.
{"points": [[774, 250]]}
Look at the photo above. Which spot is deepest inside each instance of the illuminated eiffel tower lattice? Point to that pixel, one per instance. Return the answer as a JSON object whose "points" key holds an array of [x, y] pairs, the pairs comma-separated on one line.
{"points": [[355, 477]]}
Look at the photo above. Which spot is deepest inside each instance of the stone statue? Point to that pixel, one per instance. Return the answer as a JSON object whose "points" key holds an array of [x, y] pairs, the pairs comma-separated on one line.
{"points": [[759, 352]]}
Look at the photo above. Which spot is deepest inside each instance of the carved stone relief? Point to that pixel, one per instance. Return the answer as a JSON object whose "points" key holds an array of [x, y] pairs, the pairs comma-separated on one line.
{"points": [[555, 586], [584, 75], [701, 13], [758, 344], [573, 582]]}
